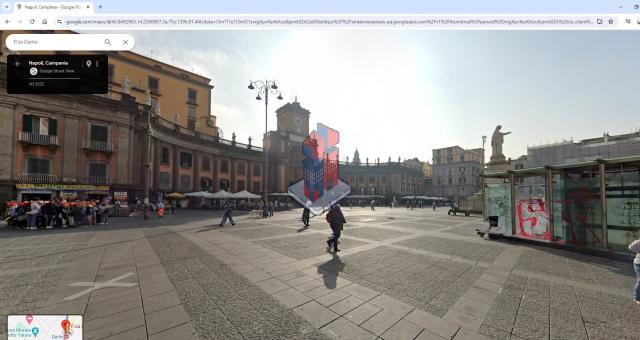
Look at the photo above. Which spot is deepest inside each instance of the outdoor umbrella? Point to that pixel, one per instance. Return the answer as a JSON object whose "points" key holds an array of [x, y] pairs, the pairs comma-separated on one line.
{"points": [[175, 195], [196, 194]]}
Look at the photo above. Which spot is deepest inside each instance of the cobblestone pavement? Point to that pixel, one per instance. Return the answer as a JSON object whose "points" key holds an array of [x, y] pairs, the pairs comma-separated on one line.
{"points": [[400, 275]]}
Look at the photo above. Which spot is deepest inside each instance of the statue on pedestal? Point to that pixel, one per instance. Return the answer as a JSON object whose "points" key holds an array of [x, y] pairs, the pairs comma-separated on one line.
{"points": [[233, 138], [497, 139], [250, 140], [126, 85]]}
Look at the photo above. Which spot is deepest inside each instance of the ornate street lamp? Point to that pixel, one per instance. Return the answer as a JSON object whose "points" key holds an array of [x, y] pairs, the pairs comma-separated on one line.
{"points": [[264, 88]]}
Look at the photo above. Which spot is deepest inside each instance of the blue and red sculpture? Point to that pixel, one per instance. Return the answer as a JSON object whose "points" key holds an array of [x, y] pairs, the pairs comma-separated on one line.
{"points": [[321, 185]]}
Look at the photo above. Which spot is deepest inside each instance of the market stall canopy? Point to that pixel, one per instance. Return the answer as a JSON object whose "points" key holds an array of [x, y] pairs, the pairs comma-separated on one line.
{"points": [[175, 195], [221, 194], [364, 196], [201, 194], [423, 198], [244, 194]]}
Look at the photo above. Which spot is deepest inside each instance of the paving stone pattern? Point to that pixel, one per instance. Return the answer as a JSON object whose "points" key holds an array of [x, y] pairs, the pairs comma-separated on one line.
{"points": [[530, 308], [221, 303], [23, 281], [466, 250], [267, 231], [374, 234], [462, 231], [431, 284], [305, 246], [576, 267]]}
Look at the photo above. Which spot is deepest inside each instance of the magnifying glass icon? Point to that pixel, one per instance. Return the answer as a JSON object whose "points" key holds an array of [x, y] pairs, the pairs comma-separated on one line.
{"points": [[107, 41]]}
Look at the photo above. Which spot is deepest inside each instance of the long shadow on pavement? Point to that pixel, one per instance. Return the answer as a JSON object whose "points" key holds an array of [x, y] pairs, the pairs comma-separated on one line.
{"points": [[330, 270]]}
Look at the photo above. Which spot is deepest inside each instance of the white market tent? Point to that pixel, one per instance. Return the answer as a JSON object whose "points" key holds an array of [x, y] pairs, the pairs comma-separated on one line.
{"points": [[244, 194], [201, 194], [423, 198], [222, 194]]}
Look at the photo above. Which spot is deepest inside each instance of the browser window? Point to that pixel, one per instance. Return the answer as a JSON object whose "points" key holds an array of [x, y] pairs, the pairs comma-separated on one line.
{"points": [[319, 169]]}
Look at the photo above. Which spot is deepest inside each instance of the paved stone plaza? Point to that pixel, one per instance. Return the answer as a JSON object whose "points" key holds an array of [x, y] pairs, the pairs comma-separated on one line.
{"points": [[400, 275]]}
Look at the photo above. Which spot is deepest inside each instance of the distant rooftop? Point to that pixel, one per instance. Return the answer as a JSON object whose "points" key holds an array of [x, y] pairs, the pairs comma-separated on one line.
{"points": [[606, 138]]}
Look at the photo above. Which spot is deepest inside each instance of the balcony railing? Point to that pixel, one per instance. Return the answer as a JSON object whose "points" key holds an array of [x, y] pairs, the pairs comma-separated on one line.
{"points": [[95, 180], [36, 138], [182, 130], [97, 145], [36, 178]]}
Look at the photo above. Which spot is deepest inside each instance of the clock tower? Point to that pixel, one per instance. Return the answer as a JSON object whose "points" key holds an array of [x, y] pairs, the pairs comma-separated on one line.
{"points": [[293, 119]]}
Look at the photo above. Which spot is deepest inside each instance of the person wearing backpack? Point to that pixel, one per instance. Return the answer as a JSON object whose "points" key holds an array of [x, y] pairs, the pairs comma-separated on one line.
{"points": [[635, 247], [336, 221], [305, 216]]}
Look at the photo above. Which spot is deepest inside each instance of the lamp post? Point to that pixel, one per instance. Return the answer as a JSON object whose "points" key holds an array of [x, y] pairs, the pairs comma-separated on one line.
{"points": [[484, 140], [484, 211], [264, 88], [147, 158]]}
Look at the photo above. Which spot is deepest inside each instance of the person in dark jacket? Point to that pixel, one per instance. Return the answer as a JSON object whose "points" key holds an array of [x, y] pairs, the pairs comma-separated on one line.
{"points": [[226, 214], [49, 211], [305, 217], [336, 221]]}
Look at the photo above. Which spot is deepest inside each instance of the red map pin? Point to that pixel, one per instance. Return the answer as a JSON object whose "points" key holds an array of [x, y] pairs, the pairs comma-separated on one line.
{"points": [[65, 325], [29, 318]]}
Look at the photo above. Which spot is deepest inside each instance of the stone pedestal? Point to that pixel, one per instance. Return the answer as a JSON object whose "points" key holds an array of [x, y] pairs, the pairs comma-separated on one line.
{"points": [[497, 159], [495, 166]]}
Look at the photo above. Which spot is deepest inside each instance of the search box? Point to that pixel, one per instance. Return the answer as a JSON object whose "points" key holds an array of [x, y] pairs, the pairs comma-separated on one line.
{"points": [[70, 42]]}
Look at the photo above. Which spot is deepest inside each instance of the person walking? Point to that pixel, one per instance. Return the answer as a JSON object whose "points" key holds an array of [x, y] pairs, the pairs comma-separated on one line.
{"points": [[48, 211], [373, 205], [33, 214], [433, 204], [270, 207], [90, 214], [97, 212], [104, 212], [305, 216], [226, 214], [173, 206], [160, 208], [635, 247], [336, 221]]}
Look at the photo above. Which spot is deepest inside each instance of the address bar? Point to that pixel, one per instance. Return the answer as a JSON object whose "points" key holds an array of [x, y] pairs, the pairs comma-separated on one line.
{"points": [[271, 21]]}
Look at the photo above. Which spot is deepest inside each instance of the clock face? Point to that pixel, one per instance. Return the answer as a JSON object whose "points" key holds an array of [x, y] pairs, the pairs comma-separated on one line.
{"points": [[298, 121]]}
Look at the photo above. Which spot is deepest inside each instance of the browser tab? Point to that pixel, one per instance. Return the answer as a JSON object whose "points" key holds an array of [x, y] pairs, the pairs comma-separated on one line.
{"points": [[39, 8]]}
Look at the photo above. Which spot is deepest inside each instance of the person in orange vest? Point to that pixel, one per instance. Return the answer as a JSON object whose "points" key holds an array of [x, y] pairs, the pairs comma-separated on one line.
{"points": [[160, 209]]}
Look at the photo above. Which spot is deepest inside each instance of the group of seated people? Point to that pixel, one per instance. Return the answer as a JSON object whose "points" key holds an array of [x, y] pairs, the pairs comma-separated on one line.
{"points": [[60, 213]]}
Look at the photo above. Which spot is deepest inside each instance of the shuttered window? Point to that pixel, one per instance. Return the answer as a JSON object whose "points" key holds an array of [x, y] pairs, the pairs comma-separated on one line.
{"points": [[99, 133], [38, 165], [39, 125]]}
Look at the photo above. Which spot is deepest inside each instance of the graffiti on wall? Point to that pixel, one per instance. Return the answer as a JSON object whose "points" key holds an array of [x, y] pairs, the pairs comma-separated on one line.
{"points": [[623, 212], [499, 204], [533, 219]]}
